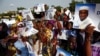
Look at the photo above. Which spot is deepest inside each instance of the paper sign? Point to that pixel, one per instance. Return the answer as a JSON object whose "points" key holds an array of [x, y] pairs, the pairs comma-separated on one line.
{"points": [[9, 22], [50, 13], [27, 14], [39, 8]]}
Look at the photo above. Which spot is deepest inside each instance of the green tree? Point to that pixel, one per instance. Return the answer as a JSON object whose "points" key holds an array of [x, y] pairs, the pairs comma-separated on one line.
{"points": [[32, 11], [72, 5], [52, 5], [93, 1], [58, 8], [20, 8]]}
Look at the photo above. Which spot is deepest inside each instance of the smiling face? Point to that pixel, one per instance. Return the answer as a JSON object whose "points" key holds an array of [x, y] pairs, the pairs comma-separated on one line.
{"points": [[83, 14]]}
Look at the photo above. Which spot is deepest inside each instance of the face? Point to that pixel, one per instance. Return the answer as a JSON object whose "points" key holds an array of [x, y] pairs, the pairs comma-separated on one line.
{"points": [[69, 26], [55, 17], [83, 14], [38, 26], [72, 43], [50, 26], [65, 18], [20, 28], [58, 13], [65, 10]]}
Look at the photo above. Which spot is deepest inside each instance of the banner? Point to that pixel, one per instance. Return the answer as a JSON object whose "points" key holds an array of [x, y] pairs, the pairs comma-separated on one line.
{"points": [[93, 14], [97, 12]]}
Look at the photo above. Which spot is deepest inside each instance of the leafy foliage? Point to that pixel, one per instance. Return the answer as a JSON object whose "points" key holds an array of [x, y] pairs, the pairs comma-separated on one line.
{"points": [[93, 1], [20, 8], [72, 5], [58, 8]]}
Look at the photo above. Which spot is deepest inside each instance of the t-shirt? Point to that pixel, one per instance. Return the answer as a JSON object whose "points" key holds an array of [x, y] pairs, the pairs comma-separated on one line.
{"points": [[83, 24]]}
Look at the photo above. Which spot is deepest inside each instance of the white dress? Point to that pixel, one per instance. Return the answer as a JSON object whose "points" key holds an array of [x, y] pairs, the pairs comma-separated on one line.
{"points": [[36, 48]]}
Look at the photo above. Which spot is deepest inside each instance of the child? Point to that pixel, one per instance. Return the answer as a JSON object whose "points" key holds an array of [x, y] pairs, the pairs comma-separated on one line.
{"points": [[72, 45], [46, 34], [70, 30]]}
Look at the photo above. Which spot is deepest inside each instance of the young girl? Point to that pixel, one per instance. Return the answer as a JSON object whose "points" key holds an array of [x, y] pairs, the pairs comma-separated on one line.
{"points": [[46, 34]]}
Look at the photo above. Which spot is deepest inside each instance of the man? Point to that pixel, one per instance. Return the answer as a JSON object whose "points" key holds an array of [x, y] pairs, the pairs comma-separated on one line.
{"points": [[84, 19], [86, 29]]}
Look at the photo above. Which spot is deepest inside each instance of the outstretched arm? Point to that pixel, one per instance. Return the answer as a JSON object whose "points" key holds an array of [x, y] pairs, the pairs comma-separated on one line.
{"points": [[87, 45]]}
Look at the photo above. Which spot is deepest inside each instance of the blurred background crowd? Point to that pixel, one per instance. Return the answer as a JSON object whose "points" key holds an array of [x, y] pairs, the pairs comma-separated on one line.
{"points": [[50, 33]]}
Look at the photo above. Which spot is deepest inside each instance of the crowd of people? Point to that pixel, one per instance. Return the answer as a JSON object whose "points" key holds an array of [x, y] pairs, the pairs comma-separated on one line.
{"points": [[41, 37]]}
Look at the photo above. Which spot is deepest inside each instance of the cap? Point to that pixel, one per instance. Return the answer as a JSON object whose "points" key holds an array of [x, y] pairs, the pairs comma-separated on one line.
{"points": [[84, 8]]}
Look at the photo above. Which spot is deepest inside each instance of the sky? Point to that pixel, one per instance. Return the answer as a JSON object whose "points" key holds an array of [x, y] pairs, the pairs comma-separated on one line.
{"points": [[6, 5]]}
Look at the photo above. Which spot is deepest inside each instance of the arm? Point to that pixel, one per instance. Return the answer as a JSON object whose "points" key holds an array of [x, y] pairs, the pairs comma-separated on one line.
{"points": [[87, 44]]}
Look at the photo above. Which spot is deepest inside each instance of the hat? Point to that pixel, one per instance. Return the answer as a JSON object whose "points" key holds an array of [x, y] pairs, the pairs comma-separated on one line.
{"points": [[84, 8]]}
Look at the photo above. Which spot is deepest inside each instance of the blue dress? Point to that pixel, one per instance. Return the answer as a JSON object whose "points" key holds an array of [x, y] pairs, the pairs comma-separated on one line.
{"points": [[24, 50], [62, 51]]}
